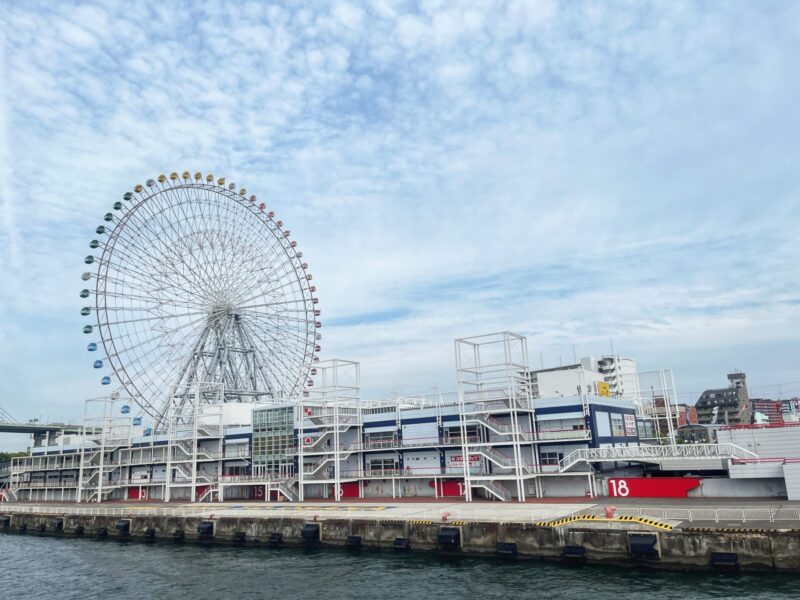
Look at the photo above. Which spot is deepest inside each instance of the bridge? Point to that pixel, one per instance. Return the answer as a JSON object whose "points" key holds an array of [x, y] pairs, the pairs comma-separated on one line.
{"points": [[655, 454], [6, 427], [9, 424]]}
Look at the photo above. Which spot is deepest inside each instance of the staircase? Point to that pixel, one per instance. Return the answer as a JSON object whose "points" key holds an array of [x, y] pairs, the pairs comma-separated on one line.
{"points": [[496, 457], [209, 494], [183, 474], [206, 430], [311, 474], [7, 493], [317, 441], [493, 424], [499, 428], [287, 488], [497, 491]]}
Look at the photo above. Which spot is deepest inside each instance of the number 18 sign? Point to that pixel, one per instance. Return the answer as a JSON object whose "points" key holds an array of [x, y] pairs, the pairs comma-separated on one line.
{"points": [[651, 487]]}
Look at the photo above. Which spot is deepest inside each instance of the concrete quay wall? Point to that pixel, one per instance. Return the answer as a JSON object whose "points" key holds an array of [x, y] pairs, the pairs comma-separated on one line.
{"points": [[597, 542]]}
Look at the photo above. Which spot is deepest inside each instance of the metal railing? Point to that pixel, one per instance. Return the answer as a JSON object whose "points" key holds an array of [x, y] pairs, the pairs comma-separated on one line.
{"points": [[44, 484], [496, 490], [716, 515], [646, 453], [564, 434]]}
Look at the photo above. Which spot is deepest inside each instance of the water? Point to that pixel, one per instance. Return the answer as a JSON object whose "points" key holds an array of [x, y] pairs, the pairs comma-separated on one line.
{"points": [[65, 568]]}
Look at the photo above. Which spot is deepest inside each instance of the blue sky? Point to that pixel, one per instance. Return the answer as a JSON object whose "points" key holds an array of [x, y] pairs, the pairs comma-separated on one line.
{"points": [[573, 171]]}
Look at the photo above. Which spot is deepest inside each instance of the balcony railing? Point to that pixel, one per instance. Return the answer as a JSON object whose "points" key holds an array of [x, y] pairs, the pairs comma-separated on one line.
{"points": [[564, 434]]}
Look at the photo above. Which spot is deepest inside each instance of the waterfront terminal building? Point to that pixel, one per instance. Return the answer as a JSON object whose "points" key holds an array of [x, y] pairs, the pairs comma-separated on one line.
{"points": [[495, 438]]}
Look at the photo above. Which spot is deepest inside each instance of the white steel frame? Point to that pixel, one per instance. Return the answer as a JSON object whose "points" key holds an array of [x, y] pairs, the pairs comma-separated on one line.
{"points": [[332, 405], [493, 377], [103, 415], [202, 421], [662, 386]]}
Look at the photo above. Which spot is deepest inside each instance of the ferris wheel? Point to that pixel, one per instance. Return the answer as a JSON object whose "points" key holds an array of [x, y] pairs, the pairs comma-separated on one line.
{"points": [[196, 282]]}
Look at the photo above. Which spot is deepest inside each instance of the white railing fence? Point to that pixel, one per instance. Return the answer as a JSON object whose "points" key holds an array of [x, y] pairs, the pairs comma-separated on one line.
{"points": [[790, 516], [717, 515]]}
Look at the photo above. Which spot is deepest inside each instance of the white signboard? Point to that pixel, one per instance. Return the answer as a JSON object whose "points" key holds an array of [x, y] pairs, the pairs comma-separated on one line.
{"points": [[457, 460]]}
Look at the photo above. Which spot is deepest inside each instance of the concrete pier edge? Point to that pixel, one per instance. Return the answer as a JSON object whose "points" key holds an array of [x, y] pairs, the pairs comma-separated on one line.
{"points": [[597, 542]]}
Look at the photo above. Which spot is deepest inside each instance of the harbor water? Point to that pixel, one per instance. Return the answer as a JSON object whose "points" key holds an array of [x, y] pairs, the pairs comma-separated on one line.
{"points": [[68, 568]]}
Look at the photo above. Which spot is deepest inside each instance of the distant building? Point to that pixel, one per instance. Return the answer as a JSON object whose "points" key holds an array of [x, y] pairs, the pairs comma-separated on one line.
{"points": [[766, 412], [687, 415], [790, 410], [610, 376], [619, 373], [726, 406], [568, 380]]}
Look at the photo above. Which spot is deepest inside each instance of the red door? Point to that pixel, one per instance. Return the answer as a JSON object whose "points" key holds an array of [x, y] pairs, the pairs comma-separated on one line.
{"points": [[452, 487], [350, 489], [133, 493]]}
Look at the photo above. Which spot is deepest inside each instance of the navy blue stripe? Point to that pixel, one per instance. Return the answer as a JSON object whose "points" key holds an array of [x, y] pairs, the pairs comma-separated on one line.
{"points": [[431, 419], [553, 410], [379, 423]]}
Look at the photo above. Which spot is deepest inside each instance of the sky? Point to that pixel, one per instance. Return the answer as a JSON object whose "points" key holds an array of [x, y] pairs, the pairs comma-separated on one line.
{"points": [[576, 172]]}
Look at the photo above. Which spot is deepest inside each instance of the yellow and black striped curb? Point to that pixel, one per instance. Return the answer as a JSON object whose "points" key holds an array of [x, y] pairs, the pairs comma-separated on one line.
{"points": [[429, 522], [594, 518], [736, 530]]}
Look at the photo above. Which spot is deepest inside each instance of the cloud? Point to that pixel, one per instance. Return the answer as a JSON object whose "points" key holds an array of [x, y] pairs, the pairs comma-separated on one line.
{"points": [[573, 171]]}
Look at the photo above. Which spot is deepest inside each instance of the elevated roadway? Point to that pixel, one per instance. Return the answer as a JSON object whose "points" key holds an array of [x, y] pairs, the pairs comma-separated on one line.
{"points": [[10, 427]]}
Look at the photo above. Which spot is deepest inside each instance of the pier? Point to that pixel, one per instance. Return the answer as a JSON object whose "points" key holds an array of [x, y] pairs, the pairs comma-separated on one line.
{"points": [[747, 536]]}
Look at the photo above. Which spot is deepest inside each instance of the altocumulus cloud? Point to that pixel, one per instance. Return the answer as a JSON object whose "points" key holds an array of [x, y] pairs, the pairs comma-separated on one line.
{"points": [[571, 171]]}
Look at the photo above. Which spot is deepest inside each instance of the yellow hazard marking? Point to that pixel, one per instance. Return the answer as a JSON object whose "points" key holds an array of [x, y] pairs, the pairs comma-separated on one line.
{"points": [[575, 518]]}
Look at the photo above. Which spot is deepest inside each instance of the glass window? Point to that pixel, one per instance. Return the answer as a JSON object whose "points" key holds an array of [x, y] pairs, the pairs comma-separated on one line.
{"points": [[273, 440], [551, 458], [617, 426]]}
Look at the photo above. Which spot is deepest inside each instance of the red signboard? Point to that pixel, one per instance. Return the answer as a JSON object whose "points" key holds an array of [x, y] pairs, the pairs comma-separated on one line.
{"points": [[651, 487]]}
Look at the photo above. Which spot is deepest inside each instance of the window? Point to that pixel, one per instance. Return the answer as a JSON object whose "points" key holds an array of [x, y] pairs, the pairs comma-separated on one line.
{"points": [[617, 426], [273, 439], [550, 458], [383, 466], [381, 439], [452, 435]]}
